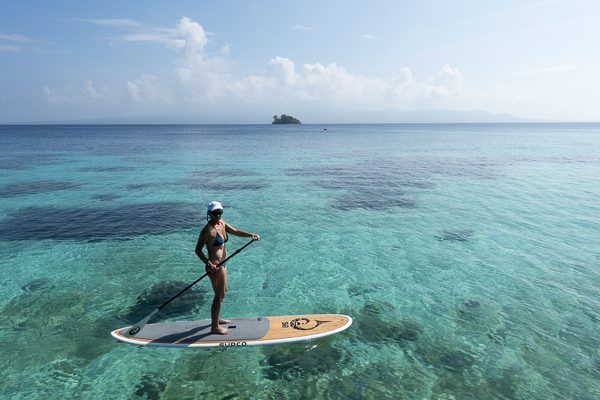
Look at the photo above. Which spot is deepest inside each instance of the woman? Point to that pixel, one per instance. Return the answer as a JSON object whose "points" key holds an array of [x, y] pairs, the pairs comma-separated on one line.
{"points": [[214, 235]]}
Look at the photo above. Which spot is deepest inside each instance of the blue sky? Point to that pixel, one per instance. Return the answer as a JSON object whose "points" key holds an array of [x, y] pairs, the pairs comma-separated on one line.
{"points": [[323, 61]]}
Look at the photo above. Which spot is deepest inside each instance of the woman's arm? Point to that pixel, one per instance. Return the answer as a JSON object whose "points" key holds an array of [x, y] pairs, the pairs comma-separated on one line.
{"points": [[202, 240], [239, 232]]}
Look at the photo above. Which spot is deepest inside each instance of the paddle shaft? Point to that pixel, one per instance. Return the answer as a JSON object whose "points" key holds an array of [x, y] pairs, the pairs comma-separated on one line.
{"points": [[137, 327], [203, 276]]}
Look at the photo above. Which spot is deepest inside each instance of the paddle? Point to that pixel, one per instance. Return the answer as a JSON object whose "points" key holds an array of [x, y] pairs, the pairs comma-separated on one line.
{"points": [[138, 327]]}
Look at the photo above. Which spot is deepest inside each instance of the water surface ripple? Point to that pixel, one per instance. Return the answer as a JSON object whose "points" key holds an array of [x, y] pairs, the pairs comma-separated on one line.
{"points": [[467, 255]]}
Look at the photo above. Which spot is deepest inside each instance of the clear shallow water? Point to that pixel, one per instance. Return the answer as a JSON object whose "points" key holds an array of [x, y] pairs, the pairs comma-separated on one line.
{"points": [[467, 255]]}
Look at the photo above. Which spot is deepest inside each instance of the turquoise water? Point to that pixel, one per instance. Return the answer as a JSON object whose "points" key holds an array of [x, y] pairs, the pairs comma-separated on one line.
{"points": [[468, 256]]}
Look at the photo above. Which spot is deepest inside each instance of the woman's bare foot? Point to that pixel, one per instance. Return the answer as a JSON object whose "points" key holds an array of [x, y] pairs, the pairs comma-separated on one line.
{"points": [[220, 331], [224, 321]]}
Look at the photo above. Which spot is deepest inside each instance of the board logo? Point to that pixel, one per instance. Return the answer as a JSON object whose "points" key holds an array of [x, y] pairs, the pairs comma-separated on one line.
{"points": [[233, 344], [302, 324]]}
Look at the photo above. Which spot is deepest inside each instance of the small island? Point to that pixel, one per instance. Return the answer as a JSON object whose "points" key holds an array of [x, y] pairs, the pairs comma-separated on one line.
{"points": [[285, 119]]}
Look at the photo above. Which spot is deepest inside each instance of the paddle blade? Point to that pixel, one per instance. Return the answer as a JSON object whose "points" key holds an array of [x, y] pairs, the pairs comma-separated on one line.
{"points": [[134, 330]]}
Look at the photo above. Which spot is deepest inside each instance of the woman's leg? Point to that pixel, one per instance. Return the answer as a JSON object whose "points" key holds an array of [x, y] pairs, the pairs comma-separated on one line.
{"points": [[223, 270], [218, 279]]}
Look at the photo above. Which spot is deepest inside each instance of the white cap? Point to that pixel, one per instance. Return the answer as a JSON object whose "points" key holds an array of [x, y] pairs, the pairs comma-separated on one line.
{"points": [[214, 205]]}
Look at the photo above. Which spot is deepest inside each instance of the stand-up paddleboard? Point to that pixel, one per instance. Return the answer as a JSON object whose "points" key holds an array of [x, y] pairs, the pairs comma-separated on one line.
{"points": [[243, 331]]}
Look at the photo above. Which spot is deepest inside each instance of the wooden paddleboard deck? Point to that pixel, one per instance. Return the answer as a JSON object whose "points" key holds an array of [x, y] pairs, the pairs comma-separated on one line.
{"points": [[244, 331]]}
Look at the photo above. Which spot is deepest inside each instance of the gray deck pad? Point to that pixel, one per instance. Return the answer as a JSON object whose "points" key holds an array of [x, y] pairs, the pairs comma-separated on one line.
{"points": [[199, 331]]}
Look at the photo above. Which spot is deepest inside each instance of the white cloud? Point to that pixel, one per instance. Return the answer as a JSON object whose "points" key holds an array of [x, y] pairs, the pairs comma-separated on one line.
{"points": [[87, 94], [447, 81], [15, 37], [147, 90], [113, 22], [202, 75], [225, 50], [54, 96], [303, 28], [332, 85], [16, 40], [202, 78], [167, 38], [194, 36], [186, 34], [368, 36], [282, 70]]}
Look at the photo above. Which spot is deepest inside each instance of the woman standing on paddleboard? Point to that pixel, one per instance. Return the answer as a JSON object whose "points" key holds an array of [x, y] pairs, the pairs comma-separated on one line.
{"points": [[214, 235]]}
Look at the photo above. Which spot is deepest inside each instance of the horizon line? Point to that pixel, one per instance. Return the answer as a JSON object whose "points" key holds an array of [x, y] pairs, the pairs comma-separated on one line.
{"points": [[60, 123]]}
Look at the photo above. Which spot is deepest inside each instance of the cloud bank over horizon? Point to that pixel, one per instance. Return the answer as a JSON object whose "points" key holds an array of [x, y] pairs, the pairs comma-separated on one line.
{"points": [[211, 63], [204, 78]]}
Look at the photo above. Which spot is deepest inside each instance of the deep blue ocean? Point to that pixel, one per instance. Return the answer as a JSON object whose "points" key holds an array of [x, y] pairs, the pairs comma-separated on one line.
{"points": [[467, 255]]}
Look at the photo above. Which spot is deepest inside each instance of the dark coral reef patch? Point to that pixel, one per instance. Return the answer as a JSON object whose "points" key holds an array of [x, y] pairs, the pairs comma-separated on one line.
{"points": [[34, 187], [98, 223]]}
